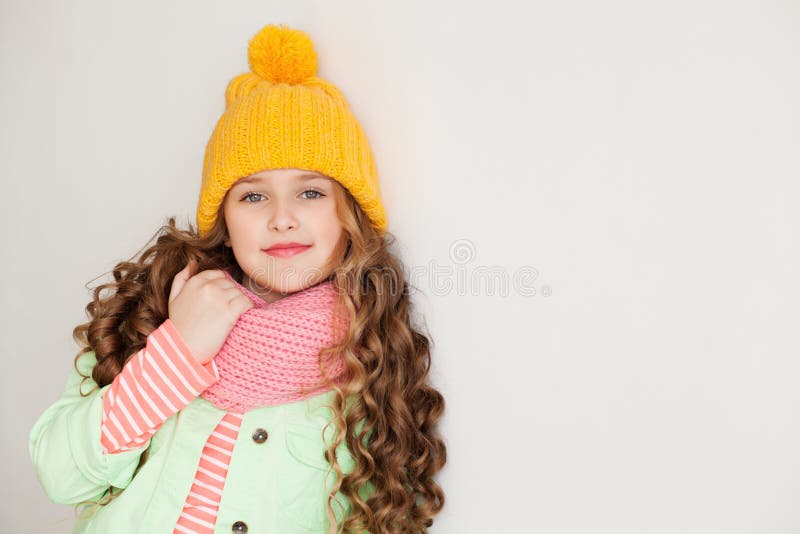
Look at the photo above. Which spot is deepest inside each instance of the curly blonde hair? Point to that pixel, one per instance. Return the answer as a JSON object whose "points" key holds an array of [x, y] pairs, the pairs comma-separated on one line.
{"points": [[397, 448]]}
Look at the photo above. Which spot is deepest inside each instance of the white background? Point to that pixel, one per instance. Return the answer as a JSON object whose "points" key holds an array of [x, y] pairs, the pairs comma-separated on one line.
{"points": [[636, 162]]}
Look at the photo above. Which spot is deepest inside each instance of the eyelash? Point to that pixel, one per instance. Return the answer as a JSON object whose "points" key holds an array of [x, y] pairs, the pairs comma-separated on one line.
{"points": [[249, 193]]}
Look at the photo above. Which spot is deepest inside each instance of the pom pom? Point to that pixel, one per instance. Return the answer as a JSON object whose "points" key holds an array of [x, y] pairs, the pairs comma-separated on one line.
{"points": [[280, 54]]}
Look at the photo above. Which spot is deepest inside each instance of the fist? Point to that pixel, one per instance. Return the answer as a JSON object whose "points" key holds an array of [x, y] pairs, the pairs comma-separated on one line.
{"points": [[204, 307]]}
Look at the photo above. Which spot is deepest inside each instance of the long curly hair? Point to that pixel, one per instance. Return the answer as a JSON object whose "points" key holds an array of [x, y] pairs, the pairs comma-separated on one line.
{"points": [[384, 408]]}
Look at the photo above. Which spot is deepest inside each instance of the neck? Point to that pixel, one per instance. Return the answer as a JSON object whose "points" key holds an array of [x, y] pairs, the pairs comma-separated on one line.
{"points": [[269, 295]]}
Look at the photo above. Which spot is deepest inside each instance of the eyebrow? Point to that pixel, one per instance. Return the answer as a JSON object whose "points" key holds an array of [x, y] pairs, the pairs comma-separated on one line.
{"points": [[304, 177]]}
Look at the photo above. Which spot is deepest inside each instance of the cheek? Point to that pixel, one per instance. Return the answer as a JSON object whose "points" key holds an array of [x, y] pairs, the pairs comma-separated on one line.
{"points": [[239, 223], [331, 230], [328, 221]]}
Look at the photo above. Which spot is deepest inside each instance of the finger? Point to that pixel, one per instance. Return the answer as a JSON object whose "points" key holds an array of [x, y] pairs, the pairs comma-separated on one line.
{"points": [[179, 280], [228, 293], [204, 277], [211, 274], [222, 283], [193, 265], [240, 302]]}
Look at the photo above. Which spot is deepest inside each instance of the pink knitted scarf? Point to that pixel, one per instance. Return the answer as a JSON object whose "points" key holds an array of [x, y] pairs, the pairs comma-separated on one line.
{"points": [[272, 350]]}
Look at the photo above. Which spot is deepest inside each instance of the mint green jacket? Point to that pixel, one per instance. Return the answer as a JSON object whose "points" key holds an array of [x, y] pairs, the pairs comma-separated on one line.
{"points": [[277, 486]]}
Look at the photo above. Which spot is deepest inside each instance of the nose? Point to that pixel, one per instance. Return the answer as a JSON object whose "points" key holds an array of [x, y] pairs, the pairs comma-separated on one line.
{"points": [[282, 217]]}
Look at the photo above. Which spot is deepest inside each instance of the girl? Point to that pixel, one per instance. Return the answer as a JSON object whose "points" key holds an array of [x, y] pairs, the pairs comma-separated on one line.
{"points": [[260, 373]]}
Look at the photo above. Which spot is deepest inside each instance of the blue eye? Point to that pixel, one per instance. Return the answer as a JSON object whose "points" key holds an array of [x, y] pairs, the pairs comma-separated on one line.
{"points": [[319, 193], [248, 195]]}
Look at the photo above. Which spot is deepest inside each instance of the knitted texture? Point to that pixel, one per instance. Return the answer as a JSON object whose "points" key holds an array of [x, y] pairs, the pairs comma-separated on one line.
{"points": [[280, 115], [272, 350]]}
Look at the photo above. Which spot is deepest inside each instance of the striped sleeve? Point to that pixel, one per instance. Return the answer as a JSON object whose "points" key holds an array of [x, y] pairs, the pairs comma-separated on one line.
{"points": [[154, 384]]}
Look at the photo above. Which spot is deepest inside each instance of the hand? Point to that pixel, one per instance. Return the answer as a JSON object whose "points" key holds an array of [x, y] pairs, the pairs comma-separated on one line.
{"points": [[204, 307]]}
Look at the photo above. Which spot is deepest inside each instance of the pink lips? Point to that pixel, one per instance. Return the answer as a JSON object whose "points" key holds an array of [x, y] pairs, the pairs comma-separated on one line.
{"points": [[285, 250]]}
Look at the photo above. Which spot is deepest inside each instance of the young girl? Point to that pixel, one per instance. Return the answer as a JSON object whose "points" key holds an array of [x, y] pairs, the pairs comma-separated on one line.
{"points": [[260, 373]]}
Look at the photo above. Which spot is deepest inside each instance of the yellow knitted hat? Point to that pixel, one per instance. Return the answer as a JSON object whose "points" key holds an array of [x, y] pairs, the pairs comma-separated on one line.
{"points": [[280, 115]]}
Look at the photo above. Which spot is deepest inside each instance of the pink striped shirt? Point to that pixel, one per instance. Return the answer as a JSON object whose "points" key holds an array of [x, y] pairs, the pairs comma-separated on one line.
{"points": [[154, 384]]}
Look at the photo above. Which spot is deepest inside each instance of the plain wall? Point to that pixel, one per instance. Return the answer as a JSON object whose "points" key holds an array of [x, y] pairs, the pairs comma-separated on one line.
{"points": [[598, 201]]}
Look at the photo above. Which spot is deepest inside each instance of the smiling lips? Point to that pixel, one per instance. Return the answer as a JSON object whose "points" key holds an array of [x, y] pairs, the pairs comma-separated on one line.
{"points": [[285, 250]]}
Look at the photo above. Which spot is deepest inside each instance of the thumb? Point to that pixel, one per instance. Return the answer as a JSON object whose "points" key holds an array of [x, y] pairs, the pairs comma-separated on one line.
{"points": [[181, 278]]}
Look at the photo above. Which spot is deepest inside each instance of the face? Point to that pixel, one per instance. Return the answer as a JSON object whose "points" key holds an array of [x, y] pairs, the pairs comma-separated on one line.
{"points": [[280, 207]]}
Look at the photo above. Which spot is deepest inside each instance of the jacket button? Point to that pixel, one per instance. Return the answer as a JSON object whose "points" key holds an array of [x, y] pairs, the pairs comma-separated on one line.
{"points": [[239, 526], [259, 436]]}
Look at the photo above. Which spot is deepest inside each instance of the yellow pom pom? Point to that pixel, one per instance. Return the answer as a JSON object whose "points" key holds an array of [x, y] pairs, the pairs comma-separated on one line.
{"points": [[280, 54]]}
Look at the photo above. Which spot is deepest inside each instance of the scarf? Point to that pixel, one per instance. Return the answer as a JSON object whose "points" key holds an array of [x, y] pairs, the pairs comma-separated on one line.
{"points": [[272, 351]]}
